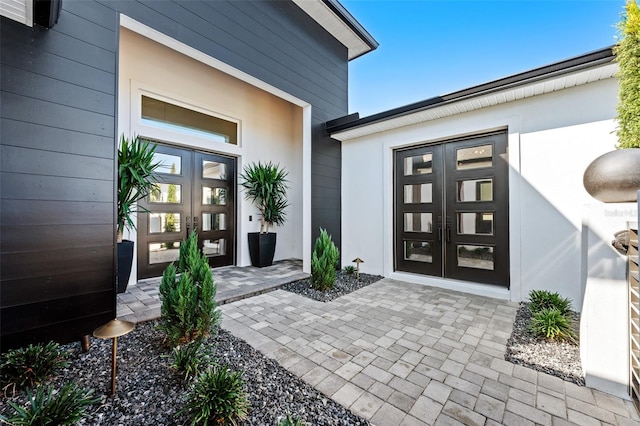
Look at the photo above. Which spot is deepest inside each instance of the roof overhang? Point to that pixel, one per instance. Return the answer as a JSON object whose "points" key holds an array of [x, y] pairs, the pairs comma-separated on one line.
{"points": [[334, 18], [572, 72]]}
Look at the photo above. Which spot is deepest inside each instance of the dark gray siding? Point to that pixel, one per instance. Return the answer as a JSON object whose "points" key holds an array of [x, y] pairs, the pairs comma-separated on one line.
{"points": [[58, 141], [57, 179]]}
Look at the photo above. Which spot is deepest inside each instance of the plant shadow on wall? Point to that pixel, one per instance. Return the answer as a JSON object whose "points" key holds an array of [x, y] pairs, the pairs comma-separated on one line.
{"points": [[266, 186], [545, 337]]}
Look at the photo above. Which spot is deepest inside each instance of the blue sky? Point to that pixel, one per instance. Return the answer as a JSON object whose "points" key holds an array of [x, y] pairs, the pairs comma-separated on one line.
{"points": [[429, 48]]}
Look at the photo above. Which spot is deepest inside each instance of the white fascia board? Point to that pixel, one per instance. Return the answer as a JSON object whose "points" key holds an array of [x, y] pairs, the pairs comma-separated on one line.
{"points": [[324, 16], [18, 10], [483, 101]]}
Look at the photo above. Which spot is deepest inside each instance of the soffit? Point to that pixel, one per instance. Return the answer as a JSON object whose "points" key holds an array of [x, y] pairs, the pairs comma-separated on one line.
{"points": [[341, 25], [18, 10], [476, 102]]}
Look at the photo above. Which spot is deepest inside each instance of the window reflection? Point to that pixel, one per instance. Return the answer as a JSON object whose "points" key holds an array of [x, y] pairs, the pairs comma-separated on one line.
{"points": [[164, 222], [419, 251], [164, 252], [475, 190], [418, 222], [418, 165], [475, 157], [214, 221], [214, 196], [215, 247], [169, 193], [422, 193], [477, 257], [475, 223], [169, 164], [214, 170]]}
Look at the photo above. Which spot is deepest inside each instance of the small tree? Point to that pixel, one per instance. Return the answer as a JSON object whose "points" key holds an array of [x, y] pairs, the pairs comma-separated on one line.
{"points": [[189, 310], [627, 53], [324, 260]]}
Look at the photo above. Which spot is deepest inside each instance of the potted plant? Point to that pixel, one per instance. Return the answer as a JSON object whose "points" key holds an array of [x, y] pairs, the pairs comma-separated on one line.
{"points": [[266, 186], [136, 180], [615, 176]]}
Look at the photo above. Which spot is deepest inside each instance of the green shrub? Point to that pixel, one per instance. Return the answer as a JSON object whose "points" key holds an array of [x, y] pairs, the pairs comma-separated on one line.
{"points": [[349, 269], [323, 262], [289, 421], [31, 365], [189, 310], [217, 396], [627, 52], [65, 407], [552, 324], [187, 358], [543, 299]]}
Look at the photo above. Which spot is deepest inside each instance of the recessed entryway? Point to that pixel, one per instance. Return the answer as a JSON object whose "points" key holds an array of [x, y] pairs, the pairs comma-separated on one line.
{"points": [[452, 209], [196, 191]]}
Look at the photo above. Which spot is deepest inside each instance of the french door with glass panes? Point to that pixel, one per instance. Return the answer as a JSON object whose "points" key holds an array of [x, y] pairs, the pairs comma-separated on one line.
{"points": [[195, 192], [452, 210]]}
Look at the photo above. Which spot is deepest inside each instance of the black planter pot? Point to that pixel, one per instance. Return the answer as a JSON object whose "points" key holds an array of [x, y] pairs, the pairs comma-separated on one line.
{"points": [[614, 177], [125, 261], [262, 248]]}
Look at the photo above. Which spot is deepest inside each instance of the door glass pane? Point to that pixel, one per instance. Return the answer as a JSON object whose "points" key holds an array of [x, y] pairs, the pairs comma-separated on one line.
{"points": [[418, 165], [475, 223], [169, 193], [475, 190], [213, 170], [169, 164], [478, 257], [422, 193], [418, 222], [164, 252], [214, 221], [419, 251], [475, 157], [214, 196], [215, 247], [164, 222]]}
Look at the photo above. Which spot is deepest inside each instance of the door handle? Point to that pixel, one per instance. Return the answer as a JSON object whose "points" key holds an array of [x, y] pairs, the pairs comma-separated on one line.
{"points": [[448, 229], [188, 224], [439, 229]]}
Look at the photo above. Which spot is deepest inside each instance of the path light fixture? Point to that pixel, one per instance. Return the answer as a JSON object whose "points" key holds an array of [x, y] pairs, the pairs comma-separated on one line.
{"points": [[358, 261], [112, 330]]}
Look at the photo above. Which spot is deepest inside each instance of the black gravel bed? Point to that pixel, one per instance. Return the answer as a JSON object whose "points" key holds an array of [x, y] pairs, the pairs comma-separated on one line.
{"points": [[149, 392], [557, 358], [345, 284]]}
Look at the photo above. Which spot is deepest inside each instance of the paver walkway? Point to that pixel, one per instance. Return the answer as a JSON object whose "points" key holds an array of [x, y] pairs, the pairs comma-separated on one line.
{"points": [[404, 354], [142, 301]]}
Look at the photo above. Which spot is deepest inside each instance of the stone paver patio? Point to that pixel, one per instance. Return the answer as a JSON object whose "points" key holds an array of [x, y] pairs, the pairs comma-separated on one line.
{"points": [[404, 354], [396, 353]]}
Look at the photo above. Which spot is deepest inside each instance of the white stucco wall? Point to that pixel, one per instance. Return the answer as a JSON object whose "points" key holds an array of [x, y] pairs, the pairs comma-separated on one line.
{"points": [[271, 129], [552, 139]]}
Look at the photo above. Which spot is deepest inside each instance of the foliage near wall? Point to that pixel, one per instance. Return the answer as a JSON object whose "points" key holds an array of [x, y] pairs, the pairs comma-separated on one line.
{"points": [[628, 58]]}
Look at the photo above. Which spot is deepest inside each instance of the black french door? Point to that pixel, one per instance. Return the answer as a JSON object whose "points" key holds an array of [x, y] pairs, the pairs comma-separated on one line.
{"points": [[452, 210], [195, 191]]}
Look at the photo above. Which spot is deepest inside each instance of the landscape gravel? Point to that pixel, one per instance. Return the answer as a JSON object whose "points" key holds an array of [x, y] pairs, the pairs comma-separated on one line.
{"points": [[344, 284], [150, 392], [558, 358]]}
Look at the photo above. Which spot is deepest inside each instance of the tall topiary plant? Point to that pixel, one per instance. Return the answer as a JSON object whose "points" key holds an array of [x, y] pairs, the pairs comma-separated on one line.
{"points": [[189, 310], [266, 185], [324, 260], [627, 52]]}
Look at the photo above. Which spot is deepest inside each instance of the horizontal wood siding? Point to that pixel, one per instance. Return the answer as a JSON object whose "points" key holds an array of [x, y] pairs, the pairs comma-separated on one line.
{"points": [[58, 90], [57, 178]]}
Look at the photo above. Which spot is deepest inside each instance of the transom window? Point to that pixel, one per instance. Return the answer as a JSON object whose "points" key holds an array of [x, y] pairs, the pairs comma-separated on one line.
{"points": [[158, 111]]}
